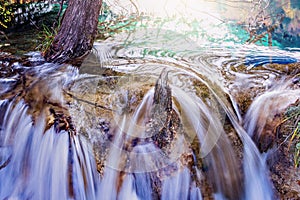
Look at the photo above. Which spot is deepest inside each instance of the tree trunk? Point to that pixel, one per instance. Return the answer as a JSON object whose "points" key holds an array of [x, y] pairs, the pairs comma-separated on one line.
{"points": [[76, 35]]}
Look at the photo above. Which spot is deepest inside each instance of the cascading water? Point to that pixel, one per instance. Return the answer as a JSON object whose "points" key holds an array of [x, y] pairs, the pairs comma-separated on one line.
{"points": [[150, 146], [39, 162], [152, 114]]}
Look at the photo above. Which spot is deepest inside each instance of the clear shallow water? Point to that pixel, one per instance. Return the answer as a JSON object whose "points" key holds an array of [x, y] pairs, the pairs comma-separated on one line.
{"points": [[153, 128]]}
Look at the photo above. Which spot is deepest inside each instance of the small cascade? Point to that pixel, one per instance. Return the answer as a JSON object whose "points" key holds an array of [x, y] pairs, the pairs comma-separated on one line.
{"points": [[177, 186], [154, 146], [266, 106], [215, 147], [257, 184], [99, 137], [39, 159], [260, 121]]}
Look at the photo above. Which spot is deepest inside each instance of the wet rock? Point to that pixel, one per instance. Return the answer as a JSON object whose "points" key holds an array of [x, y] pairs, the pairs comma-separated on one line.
{"points": [[165, 122], [272, 131], [284, 173]]}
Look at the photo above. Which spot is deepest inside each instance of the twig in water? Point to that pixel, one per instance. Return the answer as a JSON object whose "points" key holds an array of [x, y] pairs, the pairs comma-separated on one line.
{"points": [[88, 102]]}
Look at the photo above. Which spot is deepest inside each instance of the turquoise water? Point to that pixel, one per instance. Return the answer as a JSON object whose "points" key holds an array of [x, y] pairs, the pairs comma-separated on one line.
{"points": [[152, 113], [213, 21]]}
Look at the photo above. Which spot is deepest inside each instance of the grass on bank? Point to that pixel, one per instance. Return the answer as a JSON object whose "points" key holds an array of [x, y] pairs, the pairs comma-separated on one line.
{"points": [[293, 116]]}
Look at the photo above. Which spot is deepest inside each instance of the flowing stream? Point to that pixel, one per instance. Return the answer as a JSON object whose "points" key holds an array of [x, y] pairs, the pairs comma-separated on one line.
{"points": [[150, 114]]}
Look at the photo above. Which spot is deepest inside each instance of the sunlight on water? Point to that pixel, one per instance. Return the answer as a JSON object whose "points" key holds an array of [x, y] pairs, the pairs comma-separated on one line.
{"points": [[197, 9], [192, 18], [151, 114]]}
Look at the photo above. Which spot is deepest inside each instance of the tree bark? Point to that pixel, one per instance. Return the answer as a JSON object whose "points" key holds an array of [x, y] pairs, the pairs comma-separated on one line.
{"points": [[77, 32]]}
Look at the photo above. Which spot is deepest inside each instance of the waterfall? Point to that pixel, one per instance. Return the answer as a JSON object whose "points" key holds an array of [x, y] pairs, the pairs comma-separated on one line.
{"points": [[151, 153]]}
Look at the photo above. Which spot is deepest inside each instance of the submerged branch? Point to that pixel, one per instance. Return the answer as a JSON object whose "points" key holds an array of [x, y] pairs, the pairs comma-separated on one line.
{"points": [[88, 102]]}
